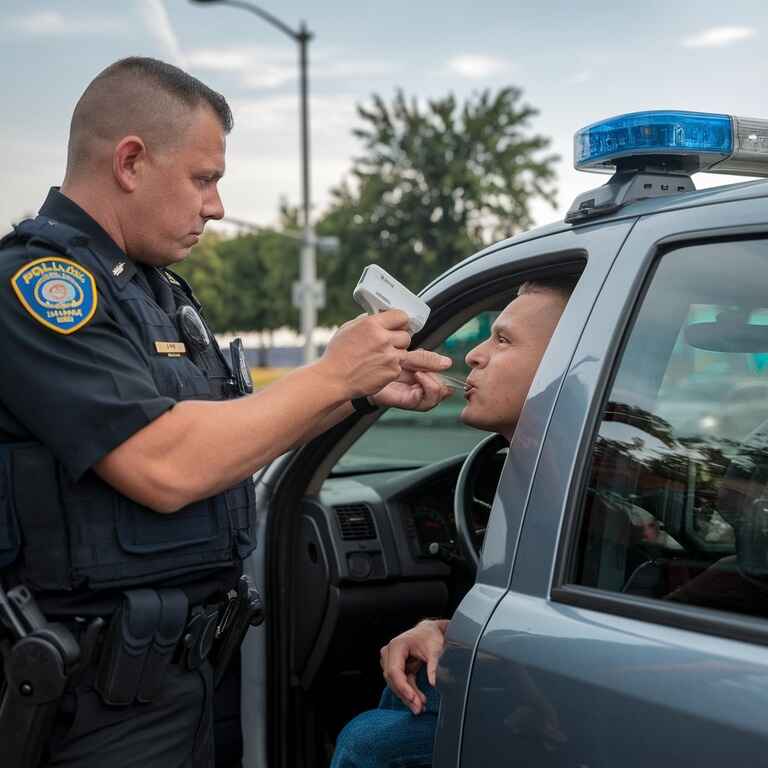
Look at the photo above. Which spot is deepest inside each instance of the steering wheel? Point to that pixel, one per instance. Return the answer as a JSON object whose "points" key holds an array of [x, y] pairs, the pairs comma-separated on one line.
{"points": [[465, 501]]}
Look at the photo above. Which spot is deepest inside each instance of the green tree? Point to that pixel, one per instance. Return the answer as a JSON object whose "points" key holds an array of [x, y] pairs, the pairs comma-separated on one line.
{"points": [[205, 270], [434, 184], [244, 282]]}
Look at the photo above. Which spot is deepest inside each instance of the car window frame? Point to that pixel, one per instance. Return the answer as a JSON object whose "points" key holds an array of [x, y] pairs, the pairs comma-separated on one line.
{"points": [[701, 619]]}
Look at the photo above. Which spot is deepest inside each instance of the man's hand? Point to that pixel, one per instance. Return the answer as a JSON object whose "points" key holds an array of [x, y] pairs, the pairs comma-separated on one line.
{"points": [[403, 656], [417, 388], [365, 354]]}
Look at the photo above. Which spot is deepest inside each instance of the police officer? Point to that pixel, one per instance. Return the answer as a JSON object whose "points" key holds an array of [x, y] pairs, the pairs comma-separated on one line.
{"points": [[127, 445]]}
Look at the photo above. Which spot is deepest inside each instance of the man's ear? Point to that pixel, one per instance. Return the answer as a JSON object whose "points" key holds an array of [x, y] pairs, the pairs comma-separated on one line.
{"points": [[128, 162]]}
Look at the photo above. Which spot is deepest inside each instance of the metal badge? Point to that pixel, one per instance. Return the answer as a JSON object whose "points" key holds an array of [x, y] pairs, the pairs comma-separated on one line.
{"points": [[240, 369], [193, 328]]}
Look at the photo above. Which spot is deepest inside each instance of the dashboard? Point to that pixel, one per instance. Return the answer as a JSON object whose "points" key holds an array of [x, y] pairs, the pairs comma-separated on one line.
{"points": [[364, 559], [399, 524]]}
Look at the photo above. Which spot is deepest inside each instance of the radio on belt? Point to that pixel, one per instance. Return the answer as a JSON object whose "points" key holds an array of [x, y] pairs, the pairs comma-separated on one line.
{"points": [[378, 291]]}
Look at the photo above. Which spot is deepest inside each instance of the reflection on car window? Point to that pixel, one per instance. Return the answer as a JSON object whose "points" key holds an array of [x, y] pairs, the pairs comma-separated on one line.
{"points": [[676, 505], [409, 438]]}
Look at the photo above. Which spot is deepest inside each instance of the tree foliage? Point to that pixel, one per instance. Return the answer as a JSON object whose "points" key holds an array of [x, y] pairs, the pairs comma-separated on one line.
{"points": [[434, 184], [244, 283]]}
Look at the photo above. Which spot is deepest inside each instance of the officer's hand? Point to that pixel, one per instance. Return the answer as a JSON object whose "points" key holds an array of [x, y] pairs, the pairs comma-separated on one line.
{"points": [[415, 389], [365, 354], [403, 656]]}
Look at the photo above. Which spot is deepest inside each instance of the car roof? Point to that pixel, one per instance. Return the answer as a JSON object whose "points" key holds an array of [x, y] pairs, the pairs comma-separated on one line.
{"points": [[723, 194]]}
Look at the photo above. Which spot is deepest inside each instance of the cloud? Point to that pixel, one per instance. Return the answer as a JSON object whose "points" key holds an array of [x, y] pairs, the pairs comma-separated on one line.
{"points": [[264, 67], [158, 24], [274, 66], [277, 116], [717, 37], [55, 24], [579, 78], [475, 66]]}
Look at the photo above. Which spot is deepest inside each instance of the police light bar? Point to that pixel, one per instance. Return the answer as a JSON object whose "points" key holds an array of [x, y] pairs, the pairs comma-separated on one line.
{"points": [[686, 142], [652, 154]]}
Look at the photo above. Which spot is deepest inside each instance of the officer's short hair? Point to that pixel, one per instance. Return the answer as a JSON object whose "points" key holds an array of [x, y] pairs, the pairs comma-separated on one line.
{"points": [[143, 96], [175, 82], [562, 285]]}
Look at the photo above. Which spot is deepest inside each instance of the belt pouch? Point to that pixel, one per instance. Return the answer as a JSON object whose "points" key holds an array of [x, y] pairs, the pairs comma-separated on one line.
{"points": [[128, 643], [173, 617]]}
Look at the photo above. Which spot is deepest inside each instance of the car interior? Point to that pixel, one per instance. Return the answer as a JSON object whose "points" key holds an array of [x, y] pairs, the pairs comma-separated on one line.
{"points": [[372, 546], [676, 503]]}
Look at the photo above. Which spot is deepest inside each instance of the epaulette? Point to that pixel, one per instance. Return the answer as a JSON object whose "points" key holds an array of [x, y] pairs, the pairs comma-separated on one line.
{"points": [[176, 279]]}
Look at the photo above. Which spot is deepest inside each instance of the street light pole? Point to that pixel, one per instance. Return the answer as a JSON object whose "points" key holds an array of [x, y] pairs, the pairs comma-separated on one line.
{"points": [[309, 289], [308, 276]]}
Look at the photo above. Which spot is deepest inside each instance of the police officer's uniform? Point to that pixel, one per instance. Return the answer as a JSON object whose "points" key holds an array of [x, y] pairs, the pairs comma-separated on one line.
{"points": [[94, 348]]}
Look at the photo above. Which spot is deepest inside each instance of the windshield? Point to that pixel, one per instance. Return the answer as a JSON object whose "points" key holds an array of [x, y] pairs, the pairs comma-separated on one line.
{"points": [[409, 439]]}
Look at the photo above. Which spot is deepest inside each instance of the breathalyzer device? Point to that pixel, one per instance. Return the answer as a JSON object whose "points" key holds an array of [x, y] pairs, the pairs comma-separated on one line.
{"points": [[378, 291]]}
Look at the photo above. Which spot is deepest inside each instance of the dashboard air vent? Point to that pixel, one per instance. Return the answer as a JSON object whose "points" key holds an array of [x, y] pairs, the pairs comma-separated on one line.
{"points": [[355, 522]]}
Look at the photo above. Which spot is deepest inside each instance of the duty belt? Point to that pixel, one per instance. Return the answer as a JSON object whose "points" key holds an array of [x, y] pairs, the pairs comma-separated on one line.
{"points": [[151, 629], [154, 628]]}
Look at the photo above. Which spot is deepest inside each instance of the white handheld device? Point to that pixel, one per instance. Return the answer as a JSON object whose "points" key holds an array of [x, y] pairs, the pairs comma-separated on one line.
{"points": [[378, 291]]}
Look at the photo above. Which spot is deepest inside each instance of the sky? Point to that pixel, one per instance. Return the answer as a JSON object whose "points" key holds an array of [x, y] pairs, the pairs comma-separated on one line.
{"points": [[575, 62]]}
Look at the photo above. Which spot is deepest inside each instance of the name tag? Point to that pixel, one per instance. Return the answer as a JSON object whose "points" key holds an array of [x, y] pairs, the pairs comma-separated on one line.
{"points": [[170, 348]]}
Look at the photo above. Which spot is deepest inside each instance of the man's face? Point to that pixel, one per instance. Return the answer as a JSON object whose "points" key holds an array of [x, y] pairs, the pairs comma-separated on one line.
{"points": [[503, 367], [178, 193]]}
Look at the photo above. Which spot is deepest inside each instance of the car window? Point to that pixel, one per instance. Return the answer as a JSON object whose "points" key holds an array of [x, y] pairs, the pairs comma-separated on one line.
{"points": [[409, 438], [675, 506]]}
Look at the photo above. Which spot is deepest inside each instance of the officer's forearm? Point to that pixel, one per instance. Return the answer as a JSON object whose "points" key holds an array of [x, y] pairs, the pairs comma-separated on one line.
{"points": [[200, 448], [334, 417]]}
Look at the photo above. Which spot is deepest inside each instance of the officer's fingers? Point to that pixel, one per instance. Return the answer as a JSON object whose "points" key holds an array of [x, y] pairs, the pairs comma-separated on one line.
{"points": [[392, 319], [424, 360], [434, 390], [400, 339]]}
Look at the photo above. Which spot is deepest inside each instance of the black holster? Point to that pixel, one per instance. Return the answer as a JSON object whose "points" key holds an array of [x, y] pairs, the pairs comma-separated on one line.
{"points": [[38, 659]]}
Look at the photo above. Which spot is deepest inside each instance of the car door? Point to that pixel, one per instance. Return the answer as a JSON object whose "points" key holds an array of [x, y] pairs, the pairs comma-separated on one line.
{"points": [[633, 630], [598, 246], [472, 283]]}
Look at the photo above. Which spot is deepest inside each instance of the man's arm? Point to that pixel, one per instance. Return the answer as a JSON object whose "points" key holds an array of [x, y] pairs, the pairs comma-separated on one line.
{"points": [[403, 656], [198, 448]]}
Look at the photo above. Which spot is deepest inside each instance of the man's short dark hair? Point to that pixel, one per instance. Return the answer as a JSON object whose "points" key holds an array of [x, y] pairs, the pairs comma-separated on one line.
{"points": [[175, 82], [562, 285], [139, 96]]}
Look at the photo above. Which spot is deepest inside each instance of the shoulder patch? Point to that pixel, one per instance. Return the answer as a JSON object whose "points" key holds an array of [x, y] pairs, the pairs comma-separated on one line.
{"points": [[57, 292]]}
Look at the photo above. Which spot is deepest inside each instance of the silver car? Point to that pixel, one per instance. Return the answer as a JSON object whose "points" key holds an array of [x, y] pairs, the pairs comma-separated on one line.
{"points": [[607, 576]]}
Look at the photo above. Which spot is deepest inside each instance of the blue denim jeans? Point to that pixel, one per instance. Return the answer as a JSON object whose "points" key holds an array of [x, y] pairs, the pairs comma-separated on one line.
{"points": [[390, 736]]}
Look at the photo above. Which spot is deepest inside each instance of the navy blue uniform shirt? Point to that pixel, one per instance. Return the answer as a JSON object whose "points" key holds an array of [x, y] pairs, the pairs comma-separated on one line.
{"points": [[83, 393], [80, 394]]}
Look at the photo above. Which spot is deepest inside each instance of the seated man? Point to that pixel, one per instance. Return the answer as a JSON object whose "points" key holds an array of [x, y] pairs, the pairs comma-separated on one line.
{"points": [[400, 733]]}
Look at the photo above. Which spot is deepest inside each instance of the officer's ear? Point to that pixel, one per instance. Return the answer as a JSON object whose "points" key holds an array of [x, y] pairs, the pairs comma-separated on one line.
{"points": [[128, 161]]}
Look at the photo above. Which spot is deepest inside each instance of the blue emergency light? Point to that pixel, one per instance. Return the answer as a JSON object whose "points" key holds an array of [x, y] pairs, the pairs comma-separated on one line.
{"points": [[653, 154]]}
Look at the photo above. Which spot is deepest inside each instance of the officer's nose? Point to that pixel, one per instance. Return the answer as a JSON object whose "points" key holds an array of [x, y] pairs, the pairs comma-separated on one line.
{"points": [[213, 208]]}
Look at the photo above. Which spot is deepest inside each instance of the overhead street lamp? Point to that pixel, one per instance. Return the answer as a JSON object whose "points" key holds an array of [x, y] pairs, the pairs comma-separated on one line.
{"points": [[321, 242], [309, 293]]}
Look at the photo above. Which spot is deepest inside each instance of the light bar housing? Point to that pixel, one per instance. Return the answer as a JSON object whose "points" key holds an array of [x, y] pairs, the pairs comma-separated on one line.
{"points": [[674, 142]]}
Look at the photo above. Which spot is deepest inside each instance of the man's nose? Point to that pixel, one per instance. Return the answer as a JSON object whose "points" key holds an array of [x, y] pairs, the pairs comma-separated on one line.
{"points": [[213, 208], [475, 356]]}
